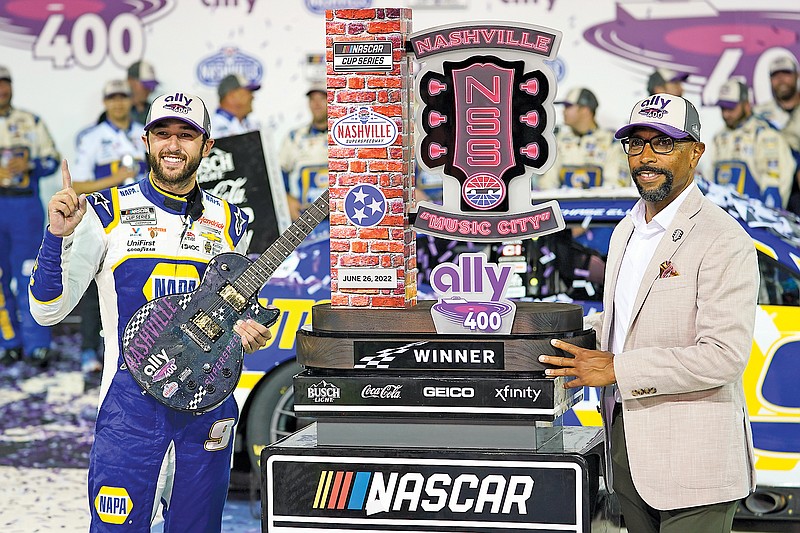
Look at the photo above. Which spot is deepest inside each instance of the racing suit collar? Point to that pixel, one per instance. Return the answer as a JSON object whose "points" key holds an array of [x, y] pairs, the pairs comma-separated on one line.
{"points": [[169, 202]]}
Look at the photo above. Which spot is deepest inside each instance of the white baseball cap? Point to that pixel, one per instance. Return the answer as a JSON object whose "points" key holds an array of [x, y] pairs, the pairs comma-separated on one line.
{"points": [[181, 106], [672, 115], [732, 93], [113, 87]]}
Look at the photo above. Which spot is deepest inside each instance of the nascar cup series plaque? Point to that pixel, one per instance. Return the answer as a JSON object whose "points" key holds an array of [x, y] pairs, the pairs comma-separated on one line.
{"points": [[435, 415]]}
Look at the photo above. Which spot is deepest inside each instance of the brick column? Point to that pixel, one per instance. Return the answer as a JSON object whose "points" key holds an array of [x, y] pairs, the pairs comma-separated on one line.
{"points": [[370, 158]]}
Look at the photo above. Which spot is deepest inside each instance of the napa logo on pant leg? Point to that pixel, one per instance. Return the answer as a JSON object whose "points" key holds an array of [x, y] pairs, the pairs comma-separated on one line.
{"points": [[113, 504]]}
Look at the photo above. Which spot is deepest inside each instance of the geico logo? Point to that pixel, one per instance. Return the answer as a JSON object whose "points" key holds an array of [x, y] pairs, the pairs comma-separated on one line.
{"points": [[448, 392], [415, 491]]}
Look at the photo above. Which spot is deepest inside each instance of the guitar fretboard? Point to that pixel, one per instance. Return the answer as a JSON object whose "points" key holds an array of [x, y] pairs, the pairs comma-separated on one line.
{"points": [[262, 268]]}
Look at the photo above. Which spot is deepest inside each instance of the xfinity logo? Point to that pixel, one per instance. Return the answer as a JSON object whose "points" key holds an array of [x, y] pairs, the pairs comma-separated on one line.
{"points": [[511, 392], [448, 392]]}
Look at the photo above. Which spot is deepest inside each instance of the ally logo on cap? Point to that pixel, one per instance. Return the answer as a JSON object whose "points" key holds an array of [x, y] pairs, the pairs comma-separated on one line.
{"points": [[178, 103], [655, 107]]}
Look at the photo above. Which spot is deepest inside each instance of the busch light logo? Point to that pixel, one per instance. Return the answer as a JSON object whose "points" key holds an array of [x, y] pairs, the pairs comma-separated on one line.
{"points": [[230, 60], [472, 296], [323, 392], [320, 6], [486, 125], [81, 34]]}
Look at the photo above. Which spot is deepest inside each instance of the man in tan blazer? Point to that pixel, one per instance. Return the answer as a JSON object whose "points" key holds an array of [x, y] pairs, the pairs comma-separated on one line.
{"points": [[680, 299]]}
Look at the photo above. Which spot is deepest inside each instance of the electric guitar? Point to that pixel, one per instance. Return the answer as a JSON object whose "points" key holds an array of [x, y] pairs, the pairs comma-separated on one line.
{"points": [[182, 350]]}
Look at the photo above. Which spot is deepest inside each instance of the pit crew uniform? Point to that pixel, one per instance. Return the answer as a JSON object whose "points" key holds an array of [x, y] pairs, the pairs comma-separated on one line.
{"points": [[593, 159], [138, 243], [21, 224], [102, 147], [304, 162], [755, 160], [225, 124]]}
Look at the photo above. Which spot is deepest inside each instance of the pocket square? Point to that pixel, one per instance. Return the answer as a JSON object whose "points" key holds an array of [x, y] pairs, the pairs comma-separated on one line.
{"points": [[667, 270]]}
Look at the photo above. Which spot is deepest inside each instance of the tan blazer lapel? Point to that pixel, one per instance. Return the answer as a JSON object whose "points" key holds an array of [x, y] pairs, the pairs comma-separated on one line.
{"points": [[673, 239]]}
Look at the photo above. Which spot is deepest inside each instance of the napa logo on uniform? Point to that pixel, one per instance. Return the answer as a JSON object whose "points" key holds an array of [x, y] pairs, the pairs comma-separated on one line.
{"points": [[417, 491], [113, 504], [166, 279]]}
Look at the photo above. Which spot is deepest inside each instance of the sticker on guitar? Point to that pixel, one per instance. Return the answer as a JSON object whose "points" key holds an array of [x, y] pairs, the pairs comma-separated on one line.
{"points": [[181, 348]]}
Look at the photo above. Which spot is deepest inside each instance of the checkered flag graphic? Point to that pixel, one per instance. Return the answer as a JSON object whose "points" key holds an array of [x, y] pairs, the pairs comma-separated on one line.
{"points": [[184, 300], [136, 322], [194, 403], [383, 358]]}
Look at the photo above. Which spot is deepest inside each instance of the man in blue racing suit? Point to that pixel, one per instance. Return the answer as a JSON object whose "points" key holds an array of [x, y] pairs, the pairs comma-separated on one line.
{"points": [[138, 242]]}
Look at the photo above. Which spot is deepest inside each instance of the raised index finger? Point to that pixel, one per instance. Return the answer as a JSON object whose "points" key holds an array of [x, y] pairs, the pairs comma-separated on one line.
{"points": [[66, 177]]}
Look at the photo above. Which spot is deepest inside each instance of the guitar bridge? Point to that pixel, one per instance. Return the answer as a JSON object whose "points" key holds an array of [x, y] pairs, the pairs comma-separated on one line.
{"points": [[207, 325], [233, 298]]}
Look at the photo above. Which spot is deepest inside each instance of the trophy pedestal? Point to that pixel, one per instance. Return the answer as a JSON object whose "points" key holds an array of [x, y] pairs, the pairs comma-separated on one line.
{"points": [[421, 431]]}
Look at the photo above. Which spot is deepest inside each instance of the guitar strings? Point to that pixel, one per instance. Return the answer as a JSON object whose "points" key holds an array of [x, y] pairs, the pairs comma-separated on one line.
{"points": [[251, 271]]}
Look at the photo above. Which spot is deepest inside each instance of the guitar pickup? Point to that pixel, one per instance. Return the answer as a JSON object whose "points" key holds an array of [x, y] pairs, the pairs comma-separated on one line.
{"points": [[233, 298], [207, 325]]}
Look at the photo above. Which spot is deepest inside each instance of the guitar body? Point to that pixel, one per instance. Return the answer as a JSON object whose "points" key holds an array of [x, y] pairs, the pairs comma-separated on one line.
{"points": [[182, 350]]}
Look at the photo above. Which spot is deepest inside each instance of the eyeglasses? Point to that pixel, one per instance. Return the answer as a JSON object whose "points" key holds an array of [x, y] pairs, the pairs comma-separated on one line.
{"points": [[660, 145]]}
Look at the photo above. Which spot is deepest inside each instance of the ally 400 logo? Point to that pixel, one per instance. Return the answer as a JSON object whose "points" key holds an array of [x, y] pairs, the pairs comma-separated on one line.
{"points": [[80, 33]]}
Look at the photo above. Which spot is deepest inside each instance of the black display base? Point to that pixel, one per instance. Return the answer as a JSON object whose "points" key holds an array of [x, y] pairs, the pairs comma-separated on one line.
{"points": [[309, 487]]}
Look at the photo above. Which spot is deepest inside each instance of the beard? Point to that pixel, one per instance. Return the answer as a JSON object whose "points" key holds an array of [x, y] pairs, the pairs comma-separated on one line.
{"points": [[659, 194], [191, 166]]}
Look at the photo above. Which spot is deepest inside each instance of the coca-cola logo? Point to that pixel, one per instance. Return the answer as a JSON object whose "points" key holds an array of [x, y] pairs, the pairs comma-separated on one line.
{"points": [[387, 391]]}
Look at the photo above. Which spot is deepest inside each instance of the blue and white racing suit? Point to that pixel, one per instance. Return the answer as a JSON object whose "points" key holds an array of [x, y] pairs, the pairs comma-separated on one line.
{"points": [[21, 224], [138, 243], [226, 125], [102, 148]]}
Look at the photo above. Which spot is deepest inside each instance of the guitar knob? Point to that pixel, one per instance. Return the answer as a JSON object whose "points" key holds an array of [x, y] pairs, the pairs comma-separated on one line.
{"points": [[210, 388], [207, 368], [191, 385], [226, 372]]}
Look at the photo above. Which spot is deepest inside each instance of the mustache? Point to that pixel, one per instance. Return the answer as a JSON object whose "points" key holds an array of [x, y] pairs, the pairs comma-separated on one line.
{"points": [[648, 168]]}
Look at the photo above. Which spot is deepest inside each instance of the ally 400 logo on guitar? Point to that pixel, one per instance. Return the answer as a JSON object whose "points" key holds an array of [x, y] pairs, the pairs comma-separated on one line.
{"points": [[181, 348]]}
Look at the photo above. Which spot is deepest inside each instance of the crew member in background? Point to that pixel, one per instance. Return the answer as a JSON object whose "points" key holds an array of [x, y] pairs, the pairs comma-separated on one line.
{"points": [[27, 153], [108, 154], [785, 103], [749, 155], [664, 80], [587, 155], [142, 81], [232, 117], [304, 154], [783, 112], [142, 448]]}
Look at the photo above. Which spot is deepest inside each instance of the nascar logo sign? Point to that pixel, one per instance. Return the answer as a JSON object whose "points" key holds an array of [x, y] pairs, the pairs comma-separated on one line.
{"points": [[399, 494]]}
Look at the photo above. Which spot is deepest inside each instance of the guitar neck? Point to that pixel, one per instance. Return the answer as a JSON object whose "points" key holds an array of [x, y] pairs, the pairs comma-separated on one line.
{"points": [[262, 268]]}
